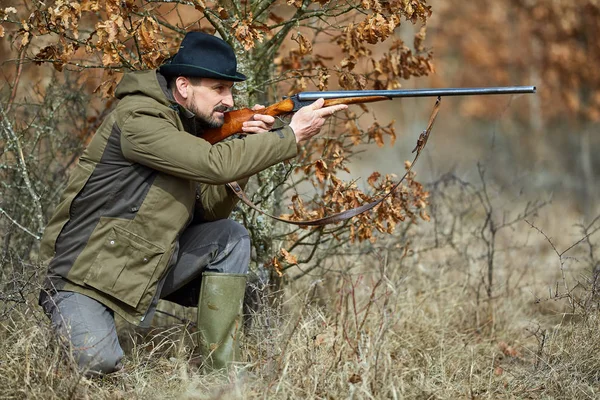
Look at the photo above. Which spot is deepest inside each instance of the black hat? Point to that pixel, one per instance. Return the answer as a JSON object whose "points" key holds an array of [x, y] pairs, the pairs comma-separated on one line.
{"points": [[204, 56]]}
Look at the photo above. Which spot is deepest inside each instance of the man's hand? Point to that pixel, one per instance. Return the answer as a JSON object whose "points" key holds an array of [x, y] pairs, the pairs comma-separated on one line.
{"points": [[259, 123], [308, 121]]}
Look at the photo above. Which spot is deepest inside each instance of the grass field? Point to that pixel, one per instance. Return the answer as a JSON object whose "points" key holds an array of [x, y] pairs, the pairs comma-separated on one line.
{"points": [[383, 321]]}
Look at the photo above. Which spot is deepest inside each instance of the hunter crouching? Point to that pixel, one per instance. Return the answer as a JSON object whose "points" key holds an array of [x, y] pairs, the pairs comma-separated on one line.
{"points": [[144, 215]]}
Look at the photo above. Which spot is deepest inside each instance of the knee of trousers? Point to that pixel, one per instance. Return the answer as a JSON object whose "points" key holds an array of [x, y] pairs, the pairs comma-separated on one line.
{"points": [[104, 361], [238, 247]]}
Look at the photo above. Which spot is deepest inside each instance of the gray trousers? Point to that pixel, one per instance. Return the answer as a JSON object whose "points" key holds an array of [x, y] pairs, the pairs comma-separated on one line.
{"points": [[89, 326]]}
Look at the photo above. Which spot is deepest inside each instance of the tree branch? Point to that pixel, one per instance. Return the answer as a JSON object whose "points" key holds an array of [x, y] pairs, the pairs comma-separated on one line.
{"points": [[15, 84], [261, 7], [24, 229], [12, 137], [218, 24]]}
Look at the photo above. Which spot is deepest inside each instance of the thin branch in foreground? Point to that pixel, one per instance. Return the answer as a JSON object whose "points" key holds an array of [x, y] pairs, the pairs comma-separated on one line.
{"points": [[24, 229], [12, 137], [561, 258]]}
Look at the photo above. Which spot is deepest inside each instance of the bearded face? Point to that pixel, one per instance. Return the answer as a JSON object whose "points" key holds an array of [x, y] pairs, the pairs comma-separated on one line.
{"points": [[213, 119], [209, 99]]}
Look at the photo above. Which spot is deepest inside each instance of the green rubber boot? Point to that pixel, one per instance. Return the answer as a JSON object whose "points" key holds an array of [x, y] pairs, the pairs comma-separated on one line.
{"points": [[220, 318]]}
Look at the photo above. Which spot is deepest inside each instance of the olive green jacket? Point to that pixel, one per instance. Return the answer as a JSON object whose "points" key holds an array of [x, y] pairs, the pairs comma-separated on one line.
{"points": [[142, 179]]}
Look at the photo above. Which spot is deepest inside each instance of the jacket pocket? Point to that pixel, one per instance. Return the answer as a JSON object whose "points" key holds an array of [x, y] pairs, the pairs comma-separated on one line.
{"points": [[125, 266]]}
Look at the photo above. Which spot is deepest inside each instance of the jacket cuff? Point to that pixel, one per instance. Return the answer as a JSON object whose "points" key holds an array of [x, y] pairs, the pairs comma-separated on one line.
{"points": [[286, 133]]}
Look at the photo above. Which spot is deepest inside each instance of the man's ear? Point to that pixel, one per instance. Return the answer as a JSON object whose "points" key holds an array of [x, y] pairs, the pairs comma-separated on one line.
{"points": [[181, 86]]}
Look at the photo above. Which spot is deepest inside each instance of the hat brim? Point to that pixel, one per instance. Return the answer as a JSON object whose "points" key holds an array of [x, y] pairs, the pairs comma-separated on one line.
{"points": [[194, 71]]}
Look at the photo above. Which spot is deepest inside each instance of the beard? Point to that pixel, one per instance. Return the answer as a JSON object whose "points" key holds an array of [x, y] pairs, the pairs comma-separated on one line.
{"points": [[209, 121]]}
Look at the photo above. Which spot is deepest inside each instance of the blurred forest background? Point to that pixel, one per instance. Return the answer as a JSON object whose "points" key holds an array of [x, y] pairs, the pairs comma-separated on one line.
{"points": [[549, 139], [479, 278]]}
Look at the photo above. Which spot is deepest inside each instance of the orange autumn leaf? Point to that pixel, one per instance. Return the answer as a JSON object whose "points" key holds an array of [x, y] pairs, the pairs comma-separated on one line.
{"points": [[304, 45], [321, 170], [288, 257], [277, 266], [373, 178]]}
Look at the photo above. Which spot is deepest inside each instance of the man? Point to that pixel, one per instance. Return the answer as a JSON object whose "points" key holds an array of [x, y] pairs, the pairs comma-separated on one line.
{"points": [[144, 215]]}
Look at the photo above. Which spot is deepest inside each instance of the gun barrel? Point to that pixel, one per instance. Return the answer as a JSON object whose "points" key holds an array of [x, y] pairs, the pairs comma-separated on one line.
{"points": [[312, 96]]}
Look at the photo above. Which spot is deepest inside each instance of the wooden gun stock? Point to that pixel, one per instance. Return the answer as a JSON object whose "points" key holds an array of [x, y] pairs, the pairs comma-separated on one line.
{"points": [[236, 118]]}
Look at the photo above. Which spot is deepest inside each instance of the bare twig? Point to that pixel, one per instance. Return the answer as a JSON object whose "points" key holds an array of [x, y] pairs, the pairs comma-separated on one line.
{"points": [[17, 79], [561, 260], [24, 229], [12, 137]]}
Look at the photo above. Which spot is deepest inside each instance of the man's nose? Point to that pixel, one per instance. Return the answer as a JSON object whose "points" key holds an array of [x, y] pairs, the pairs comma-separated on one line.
{"points": [[228, 99]]}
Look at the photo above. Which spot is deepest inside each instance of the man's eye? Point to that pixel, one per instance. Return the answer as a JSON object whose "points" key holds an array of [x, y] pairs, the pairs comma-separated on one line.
{"points": [[222, 88]]}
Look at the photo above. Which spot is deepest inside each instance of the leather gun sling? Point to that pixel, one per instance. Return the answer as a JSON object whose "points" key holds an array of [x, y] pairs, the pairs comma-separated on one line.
{"points": [[347, 214]]}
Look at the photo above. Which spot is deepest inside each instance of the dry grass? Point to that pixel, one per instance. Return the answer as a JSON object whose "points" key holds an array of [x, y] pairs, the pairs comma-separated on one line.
{"points": [[380, 324]]}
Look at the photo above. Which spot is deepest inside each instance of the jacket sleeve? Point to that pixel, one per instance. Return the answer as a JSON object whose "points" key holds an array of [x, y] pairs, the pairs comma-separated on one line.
{"points": [[215, 202], [150, 137]]}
